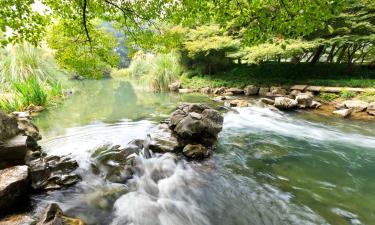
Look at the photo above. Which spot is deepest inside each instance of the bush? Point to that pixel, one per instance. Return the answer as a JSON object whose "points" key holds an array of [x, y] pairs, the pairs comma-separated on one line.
{"points": [[368, 96], [328, 97], [345, 94]]}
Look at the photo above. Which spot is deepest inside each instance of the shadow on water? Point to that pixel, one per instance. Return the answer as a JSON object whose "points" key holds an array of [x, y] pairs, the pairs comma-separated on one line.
{"points": [[268, 168]]}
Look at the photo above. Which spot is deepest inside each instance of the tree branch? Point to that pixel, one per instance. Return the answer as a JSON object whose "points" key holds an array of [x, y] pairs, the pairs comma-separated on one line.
{"points": [[84, 20]]}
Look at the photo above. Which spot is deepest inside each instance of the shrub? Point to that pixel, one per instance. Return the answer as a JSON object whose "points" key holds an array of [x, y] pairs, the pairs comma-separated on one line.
{"points": [[345, 94], [368, 96], [328, 97]]}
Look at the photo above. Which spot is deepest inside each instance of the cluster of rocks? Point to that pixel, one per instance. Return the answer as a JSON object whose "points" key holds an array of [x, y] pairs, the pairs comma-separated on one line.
{"points": [[348, 107], [191, 131], [276, 96], [297, 97], [24, 167]]}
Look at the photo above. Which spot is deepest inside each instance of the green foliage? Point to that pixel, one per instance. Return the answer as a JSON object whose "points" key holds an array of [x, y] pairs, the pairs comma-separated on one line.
{"points": [[280, 74], [74, 53], [328, 97], [345, 94], [30, 92], [288, 49]]}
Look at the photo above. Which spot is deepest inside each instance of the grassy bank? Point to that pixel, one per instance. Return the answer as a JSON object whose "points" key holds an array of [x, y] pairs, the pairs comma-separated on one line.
{"points": [[284, 74]]}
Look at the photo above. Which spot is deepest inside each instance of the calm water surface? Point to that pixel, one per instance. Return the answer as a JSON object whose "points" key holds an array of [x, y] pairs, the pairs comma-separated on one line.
{"points": [[269, 167]]}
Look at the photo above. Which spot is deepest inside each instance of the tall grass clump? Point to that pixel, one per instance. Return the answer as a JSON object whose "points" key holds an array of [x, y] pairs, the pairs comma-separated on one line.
{"points": [[28, 77], [155, 71], [165, 69]]}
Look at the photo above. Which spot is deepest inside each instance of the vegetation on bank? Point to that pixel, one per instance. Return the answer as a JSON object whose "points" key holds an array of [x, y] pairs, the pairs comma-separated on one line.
{"points": [[30, 78], [283, 74]]}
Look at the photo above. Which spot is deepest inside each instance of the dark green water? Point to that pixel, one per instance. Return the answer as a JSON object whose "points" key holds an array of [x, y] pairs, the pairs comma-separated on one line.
{"points": [[269, 167]]}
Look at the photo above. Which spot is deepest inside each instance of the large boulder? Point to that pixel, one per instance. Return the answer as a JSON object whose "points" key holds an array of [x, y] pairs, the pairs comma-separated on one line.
{"points": [[13, 186], [304, 100], [196, 123], [284, 103], [251, 90], [356, 105], [371, 108], [53, 172], [218, 91]]}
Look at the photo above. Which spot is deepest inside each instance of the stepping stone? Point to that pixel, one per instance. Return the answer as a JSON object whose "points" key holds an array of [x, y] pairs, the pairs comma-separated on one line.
{"points": [[314, 88], [298, 87]]}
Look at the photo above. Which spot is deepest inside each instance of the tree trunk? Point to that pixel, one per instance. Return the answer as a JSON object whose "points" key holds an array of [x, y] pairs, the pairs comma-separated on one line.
{"points": [[318, 54], [331, 53], [342, 53]]}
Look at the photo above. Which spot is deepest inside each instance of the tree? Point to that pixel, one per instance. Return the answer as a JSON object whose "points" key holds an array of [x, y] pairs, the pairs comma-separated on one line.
{"points": [[74, 53]]}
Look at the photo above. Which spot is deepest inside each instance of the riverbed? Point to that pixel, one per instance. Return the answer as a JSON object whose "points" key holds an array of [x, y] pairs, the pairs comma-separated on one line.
{"points": [[269, 167]]}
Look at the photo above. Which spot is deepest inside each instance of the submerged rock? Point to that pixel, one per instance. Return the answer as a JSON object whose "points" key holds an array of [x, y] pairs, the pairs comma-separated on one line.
{"points": [[53, 215], [13, 186], [53, 172], [267, 101], [197, 151], [237, 103], [284, 103], [196, 123], [235, 91]]}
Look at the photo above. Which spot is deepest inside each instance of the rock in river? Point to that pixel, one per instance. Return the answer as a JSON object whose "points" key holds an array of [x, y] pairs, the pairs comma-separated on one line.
{"points": [[251, 90], [285, 103], [53, 172], [163, 139], [13, 186], [343, 112], [196, 123], [371, 108], [53, 215], [356, 105], [304, 100], [197, 151]]}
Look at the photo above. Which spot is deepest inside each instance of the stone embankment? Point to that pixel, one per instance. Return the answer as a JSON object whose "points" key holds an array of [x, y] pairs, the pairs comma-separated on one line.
{"points": [[295, 97], [25, 169]]}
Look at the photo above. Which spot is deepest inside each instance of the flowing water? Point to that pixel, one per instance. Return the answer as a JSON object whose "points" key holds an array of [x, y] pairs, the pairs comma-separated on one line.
{"points": [[268, 168]]}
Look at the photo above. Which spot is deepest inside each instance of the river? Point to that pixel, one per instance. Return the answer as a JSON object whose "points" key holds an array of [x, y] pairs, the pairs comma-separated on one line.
{"points": [[269, 167]]}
